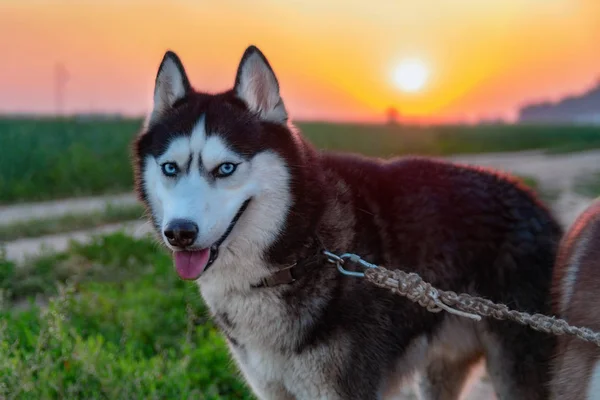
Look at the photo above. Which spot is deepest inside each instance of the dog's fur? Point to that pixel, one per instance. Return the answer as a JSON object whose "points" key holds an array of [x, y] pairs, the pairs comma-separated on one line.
{"points": [[575, 290], [328, 336]]}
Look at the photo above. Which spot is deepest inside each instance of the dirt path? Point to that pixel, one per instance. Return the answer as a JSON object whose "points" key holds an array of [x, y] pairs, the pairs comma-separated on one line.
{"points": [[553, 171], [21, 249], [57, 208], [556, 173]]}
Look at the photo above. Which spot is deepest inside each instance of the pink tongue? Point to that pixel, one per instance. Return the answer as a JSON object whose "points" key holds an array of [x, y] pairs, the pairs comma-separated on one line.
{"points": [[191, 264]]}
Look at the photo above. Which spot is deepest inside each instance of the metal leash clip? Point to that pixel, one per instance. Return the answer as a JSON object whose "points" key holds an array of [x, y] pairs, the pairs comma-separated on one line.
{"points": [[339, 261]]}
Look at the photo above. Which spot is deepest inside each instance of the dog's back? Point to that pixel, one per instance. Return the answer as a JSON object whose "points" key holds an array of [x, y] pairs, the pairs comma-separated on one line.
{"points": [[464, 229], [576, 289]]}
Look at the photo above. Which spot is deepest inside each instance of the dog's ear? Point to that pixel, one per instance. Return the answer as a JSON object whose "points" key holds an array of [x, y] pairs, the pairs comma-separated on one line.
{"points": [[171, 84], [256, 84]]}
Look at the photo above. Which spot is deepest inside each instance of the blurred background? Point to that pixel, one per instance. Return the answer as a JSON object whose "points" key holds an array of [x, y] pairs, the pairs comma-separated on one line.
{"points": [[91, 307]]}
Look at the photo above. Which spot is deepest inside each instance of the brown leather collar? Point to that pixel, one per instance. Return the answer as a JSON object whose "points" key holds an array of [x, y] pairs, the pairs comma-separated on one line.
{"points": [[295, 271]]}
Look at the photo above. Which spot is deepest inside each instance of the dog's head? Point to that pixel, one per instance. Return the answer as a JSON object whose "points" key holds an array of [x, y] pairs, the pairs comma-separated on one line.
{"points": [[214, 169]]}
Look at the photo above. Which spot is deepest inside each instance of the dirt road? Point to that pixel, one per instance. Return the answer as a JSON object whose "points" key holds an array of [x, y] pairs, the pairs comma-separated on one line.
{"points": [[20, 250], [57, 208], [556, 173]]}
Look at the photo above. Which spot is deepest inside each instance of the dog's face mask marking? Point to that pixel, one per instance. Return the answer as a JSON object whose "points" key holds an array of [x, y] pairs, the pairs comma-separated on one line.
{"points": [[210, 182]]}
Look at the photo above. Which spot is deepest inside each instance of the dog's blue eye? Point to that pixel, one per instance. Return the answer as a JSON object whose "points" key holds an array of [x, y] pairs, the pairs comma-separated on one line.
{"points": [[225, 169], [170, 169]]}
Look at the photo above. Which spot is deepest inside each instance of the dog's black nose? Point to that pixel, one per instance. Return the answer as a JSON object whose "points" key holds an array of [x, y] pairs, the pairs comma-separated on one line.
{"points": [[181, 232]]}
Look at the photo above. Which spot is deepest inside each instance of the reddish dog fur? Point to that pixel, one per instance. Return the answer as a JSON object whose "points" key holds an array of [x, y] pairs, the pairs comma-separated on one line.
{"points": [[576, 289]]}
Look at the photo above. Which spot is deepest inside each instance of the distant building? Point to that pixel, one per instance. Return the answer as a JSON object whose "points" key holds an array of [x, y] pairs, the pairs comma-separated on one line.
{"points": [[581, 109]]}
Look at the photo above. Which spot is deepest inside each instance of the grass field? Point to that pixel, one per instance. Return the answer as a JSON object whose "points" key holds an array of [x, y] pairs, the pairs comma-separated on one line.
{"points": [[120, 325], [46, 159]]}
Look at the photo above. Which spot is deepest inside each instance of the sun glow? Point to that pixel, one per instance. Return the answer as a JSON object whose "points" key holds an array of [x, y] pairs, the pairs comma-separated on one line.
{"points": [[460, 74], [411, 75]]}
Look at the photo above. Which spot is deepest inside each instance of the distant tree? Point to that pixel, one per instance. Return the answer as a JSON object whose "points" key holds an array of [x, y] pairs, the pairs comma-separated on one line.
{"points": [[392, 116]]}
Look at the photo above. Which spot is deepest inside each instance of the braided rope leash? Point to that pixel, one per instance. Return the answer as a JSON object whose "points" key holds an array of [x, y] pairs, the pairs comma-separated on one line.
{"points": [[413, 287]]}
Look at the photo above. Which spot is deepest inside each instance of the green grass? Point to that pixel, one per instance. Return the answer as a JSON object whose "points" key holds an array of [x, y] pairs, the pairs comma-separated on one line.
{"points": [[386, 140], [546, 195], [588, 185], [529, 181], [119, 324], [69, 222], [57, 158]]}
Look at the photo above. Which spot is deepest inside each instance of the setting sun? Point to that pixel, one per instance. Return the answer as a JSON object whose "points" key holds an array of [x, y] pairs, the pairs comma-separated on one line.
{"points": [[411, 75], [456, 61]]}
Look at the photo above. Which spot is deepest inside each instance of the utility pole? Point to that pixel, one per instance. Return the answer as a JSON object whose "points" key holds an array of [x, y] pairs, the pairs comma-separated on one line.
{"points": [[61, 76]]}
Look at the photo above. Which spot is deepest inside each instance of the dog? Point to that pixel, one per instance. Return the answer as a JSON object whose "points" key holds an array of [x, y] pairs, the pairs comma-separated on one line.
{"points": [[248, 207], [576, 371]]}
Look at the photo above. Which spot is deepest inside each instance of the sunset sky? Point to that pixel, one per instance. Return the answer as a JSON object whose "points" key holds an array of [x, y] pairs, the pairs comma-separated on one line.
{"points": [[335, 60]]}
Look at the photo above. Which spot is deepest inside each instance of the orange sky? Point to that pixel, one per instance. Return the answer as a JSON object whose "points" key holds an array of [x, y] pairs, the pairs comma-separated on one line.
{"points": [[334, 59]]}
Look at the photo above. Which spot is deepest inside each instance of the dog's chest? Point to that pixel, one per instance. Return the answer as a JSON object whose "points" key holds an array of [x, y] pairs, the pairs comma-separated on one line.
{"points": [[261, 364], [247, 319], [286, 376], [258, 343], [261, 335]]}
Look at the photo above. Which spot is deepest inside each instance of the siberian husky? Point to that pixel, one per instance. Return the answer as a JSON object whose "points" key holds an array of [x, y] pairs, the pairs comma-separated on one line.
{"points": [[247, 205], [576, 288]]}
